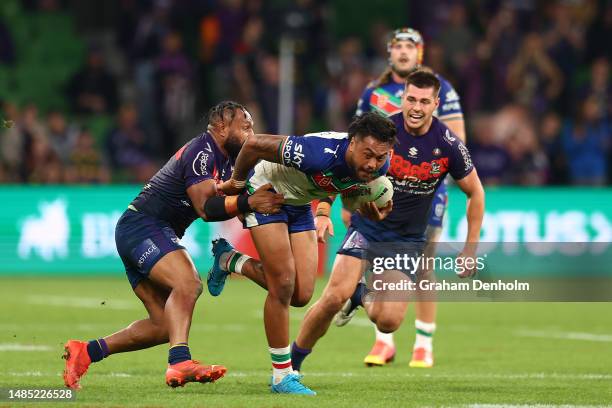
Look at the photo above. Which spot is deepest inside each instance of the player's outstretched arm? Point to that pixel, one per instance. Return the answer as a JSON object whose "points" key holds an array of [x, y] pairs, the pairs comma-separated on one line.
{"points": [[259, 147], [472, 187], [212, 207], [323, 222]]}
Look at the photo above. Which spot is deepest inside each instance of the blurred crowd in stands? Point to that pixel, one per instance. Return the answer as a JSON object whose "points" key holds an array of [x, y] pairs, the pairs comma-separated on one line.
{"points": [[534, 81]]}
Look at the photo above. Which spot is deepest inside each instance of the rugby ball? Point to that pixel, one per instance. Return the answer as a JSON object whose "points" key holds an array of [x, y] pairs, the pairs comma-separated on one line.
{"points": [[379, 191]]}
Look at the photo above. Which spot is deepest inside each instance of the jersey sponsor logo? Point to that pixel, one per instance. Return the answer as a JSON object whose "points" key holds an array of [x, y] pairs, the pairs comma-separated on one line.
{"points": [[330, 151], [449, 138], [436, 152], [200, 163], [467, 159], [451, 96], [412, 152], [439, 210], [293, 155], [451, 106], [150, 251], [404, 169], [185, 203]]}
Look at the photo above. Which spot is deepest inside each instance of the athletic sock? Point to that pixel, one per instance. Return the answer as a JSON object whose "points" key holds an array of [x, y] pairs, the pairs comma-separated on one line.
{"points": [[179, 353], [386, 338], [298, 355], [424, 335], [233, 261], [281, 363], [97, 350], [357, 296]]}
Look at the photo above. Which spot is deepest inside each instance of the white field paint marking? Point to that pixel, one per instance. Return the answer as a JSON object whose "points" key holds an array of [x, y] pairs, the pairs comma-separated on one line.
{"points": [[57, 374], [26, 374], [86, 303], [23, 347], [532, 406], [295, 316], [370, 373], [606, 338]]}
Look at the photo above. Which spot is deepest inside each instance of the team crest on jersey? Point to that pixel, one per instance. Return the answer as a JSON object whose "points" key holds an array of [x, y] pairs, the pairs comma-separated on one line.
{"points": [[329, 183], [437, 152], [435, 168], [321, 180], [382, 101]]}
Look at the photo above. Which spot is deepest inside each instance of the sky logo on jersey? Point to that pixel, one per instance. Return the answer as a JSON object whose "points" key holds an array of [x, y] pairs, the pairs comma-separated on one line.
{"points": [[293, 156]]}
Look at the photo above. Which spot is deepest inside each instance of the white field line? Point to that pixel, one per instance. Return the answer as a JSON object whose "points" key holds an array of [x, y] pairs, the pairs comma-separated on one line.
{"points": [[58, 374], [23, 347], [606, 338], [532, 406], [369, 374], [81, 302]]}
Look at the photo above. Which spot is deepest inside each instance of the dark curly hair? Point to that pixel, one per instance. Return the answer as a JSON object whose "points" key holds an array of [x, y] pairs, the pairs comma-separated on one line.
{"points": [[375, 125], [225, 110]]}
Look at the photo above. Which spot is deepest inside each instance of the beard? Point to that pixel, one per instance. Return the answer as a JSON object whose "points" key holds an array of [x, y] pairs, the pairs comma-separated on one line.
{"points": [[233, 146], [402, 73]]}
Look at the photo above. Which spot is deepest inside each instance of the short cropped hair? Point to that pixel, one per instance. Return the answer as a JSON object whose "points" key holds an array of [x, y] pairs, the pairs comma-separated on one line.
{"points": [[225, 110], [373, 124], [422, 78]]}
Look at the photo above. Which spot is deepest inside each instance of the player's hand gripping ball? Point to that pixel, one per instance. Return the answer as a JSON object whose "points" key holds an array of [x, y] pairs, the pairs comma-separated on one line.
{"points": [[379, 191]]}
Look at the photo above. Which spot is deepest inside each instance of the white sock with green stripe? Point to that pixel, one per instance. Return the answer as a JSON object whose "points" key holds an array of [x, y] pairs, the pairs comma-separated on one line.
{"points": [[281, 363], [233, 261], [424, 335]]}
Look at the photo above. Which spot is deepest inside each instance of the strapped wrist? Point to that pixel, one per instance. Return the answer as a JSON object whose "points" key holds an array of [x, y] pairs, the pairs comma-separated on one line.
{"points": [[323, 209]]}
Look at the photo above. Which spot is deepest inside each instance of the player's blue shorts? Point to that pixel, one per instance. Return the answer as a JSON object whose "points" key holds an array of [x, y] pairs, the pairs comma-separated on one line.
{"points": [[142, 240], [297, 217], [367, 244], [438, 206]]}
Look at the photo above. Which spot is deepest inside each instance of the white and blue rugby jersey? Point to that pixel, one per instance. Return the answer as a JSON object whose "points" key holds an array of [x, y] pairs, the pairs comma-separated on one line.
{"points": [[313, 166]]}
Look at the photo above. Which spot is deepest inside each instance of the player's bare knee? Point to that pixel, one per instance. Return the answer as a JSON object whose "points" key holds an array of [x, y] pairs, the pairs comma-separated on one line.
{"points": [[189, 289], [301, 298], [388, 324], [282, 290], [332, 302]]}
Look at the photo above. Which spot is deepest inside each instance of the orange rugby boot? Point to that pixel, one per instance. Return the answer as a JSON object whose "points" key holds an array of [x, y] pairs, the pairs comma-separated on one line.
{"points": [[181, 373], [381, 354], [421, 358], [77, 363]]}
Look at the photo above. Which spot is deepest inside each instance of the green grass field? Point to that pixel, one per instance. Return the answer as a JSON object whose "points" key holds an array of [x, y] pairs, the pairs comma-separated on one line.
{"points": [[486, 353]]}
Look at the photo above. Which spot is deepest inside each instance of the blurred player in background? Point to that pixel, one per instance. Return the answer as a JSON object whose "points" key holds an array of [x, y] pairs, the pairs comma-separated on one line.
{"points": [[384, 95], [158, 267], [302, 168], [426, 152]]}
